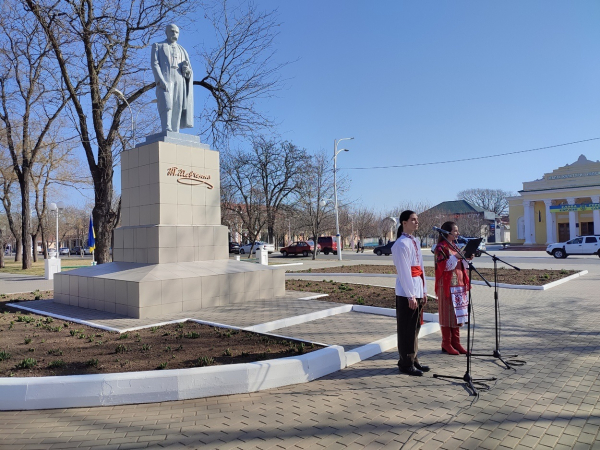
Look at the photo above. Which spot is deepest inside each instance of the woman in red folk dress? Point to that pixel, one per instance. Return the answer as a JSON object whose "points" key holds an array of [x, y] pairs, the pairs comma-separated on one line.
{"points": [[451, 279]]}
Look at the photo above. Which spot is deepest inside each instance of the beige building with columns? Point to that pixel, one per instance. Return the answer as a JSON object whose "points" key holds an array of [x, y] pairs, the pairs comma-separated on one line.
{"points": [[561, 205]]}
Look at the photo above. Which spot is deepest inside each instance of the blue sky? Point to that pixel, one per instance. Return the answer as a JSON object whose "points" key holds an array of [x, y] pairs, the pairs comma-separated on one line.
{"points": [[432, 81], [429, 81]]}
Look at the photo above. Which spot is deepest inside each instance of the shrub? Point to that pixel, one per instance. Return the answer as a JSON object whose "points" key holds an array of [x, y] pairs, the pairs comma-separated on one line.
{"points": [[92, 362], [124, 336], [4, 355], [27, 363], [192, 335], [27, 340], [146, 347], [227, 352], [162, 366], [121, 349], [57, 364], [205, 361], [26, 319]]}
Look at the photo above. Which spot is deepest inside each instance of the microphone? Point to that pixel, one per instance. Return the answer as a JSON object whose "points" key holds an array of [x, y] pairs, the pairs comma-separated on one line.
{"points": [[439, 230]]}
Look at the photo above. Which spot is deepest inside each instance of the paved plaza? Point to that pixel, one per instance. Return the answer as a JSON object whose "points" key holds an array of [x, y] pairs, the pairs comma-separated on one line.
{"points": [[551, 402]]}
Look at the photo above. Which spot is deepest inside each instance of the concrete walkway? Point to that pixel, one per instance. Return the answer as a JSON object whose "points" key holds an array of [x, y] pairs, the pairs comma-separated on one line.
{"points": [[551, 402]]}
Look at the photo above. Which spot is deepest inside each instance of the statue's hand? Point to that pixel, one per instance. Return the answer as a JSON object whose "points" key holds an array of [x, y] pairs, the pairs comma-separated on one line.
{"points": [[161, 84], [186, 70]]}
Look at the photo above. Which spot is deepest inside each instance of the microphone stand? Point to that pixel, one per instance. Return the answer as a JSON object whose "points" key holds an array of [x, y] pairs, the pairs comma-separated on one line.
{"points": [[496, 353], [469, 381]]}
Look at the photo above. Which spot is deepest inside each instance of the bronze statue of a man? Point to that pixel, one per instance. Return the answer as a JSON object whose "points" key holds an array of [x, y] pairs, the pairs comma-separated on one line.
{"points": [[174, 82]]}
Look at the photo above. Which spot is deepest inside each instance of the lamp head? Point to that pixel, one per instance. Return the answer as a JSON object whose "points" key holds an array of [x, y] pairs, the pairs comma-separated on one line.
{"points": [[52, 207]]}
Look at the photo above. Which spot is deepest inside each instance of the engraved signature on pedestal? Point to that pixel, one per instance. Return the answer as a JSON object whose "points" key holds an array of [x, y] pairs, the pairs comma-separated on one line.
{"points": [[189, 177]]}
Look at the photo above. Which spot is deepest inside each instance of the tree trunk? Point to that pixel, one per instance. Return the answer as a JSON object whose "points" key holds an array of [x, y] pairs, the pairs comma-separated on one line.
{"points": [[25, 218], [18, 249], [44, 244], [34, 241], [271, 230], [103, 223], [2, 247]]}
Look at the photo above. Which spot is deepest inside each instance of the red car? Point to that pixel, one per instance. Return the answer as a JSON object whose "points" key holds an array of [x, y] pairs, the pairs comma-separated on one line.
{"points": [[299, 248]]}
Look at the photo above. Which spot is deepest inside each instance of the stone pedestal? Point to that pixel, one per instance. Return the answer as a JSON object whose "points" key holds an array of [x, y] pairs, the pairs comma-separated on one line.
{"points": [[171, 253]]}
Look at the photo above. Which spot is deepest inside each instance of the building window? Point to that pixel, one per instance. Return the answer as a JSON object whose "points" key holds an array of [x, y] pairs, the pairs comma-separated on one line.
{"points": [[521, 228]]}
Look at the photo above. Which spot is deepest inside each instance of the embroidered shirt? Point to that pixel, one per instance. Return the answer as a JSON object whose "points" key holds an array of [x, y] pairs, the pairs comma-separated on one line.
{"points": [[405, 254]]}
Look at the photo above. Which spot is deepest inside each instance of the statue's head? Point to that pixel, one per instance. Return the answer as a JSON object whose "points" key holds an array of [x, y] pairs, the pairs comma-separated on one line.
{"points": [[172, 32]]}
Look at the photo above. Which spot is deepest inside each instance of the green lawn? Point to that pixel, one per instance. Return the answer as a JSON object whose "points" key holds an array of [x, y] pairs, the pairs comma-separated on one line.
{"points": [[37, 268]]}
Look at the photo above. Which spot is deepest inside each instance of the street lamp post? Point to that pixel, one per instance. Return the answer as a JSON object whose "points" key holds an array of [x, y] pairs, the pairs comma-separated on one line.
{"points": [[56, 207], [337, 219]]}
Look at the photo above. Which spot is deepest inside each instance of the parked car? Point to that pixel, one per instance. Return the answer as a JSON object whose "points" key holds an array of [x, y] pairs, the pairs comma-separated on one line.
{"points": [[384, 249], [246, 248], [461, 241], [328, 244], [63, 251], [582, 245], [234, 247], [303, 248], [80, 251]]}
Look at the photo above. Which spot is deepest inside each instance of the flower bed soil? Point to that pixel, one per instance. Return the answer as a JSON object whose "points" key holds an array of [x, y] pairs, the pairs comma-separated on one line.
{"points": [[355, 294], [528, 277], [34, 346]]}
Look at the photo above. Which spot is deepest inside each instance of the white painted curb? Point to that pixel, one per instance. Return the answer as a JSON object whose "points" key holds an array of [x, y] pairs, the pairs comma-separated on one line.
{"points": [[159, 386], [74, 391], [477, 282], [297, 320]]}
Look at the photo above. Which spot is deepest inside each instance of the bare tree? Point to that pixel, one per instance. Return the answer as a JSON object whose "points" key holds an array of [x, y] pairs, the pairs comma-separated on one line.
{"points": [[242, 196], [495, 200], [240, 69], [56, 167], [99, 49], [31, 101], [427, 220], [276, 166], [315, 196], [8, 192], [472, 225], [365, 222]]}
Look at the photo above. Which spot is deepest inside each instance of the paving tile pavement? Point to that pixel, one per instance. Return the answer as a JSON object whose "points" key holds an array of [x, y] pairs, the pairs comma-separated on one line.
{"points": [[240, 315], [551, 402]]}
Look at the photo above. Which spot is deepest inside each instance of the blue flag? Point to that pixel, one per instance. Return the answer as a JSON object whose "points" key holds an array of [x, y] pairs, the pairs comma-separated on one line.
{"points": [[92, 235]]}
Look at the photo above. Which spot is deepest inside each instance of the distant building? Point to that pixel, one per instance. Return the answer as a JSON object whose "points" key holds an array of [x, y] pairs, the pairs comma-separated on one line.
{"points": [[561, 205], [472, 220]]}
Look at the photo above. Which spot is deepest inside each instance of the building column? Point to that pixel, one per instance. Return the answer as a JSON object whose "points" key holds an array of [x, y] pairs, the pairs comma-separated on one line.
{"points": [[572, 219], [596, 214], [528, 222], [549, 223]]}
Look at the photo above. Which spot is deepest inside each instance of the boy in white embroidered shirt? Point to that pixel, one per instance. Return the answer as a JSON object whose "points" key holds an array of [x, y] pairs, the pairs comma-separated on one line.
{"points": [[411, 293]]}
